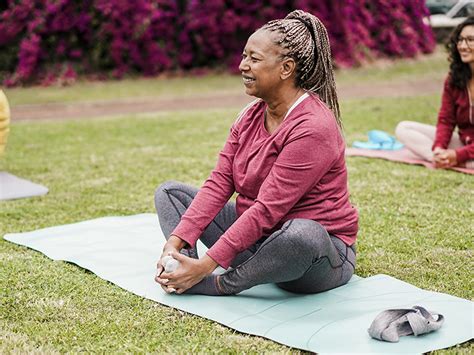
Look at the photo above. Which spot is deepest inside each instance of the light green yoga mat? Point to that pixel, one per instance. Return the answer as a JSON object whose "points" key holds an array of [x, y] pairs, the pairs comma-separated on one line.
{"points": [[124, 251]]}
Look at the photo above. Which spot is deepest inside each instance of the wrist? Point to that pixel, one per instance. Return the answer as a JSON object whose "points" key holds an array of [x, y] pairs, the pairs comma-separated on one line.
{"points": [[208, 264], [174, 242]]}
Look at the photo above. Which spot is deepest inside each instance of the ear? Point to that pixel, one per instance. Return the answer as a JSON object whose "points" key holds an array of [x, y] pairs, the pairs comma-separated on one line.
{"points": [[288, 68]]}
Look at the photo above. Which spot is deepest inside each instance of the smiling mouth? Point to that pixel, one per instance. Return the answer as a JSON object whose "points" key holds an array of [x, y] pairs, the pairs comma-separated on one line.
{"points": [[247, 80]]}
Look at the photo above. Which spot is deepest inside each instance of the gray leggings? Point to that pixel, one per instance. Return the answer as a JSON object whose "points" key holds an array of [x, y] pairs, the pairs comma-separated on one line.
{"points": [[300, 257]]}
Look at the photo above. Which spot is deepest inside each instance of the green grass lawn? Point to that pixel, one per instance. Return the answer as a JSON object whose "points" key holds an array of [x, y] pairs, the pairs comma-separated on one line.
{"points": [[414, 225]]}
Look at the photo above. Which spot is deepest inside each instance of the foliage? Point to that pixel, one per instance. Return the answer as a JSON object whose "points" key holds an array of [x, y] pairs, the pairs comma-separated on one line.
{"points": [[53, 40]]}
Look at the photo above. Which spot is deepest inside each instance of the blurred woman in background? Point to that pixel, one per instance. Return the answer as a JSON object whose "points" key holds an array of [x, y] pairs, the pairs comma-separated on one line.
{"points": [[442, 145]]}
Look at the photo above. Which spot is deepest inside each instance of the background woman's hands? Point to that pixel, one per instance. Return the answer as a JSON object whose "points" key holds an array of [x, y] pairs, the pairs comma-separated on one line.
{"points": [[444, 158]]}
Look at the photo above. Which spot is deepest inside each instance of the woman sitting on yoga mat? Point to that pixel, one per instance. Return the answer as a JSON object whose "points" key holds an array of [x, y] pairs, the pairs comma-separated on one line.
{"points": [[292, 223], [440, 144]]}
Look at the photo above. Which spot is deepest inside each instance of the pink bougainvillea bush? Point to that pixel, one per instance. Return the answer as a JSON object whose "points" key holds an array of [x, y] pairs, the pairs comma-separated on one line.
{"points": [[49, 40]]}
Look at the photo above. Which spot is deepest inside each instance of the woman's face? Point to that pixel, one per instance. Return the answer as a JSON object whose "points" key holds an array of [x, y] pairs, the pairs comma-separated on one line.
{"points": [[466, 44], [261, 65]]}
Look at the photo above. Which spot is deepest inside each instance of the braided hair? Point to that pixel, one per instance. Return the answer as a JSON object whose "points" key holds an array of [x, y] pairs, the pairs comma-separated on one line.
{"points": [[305, 39]]}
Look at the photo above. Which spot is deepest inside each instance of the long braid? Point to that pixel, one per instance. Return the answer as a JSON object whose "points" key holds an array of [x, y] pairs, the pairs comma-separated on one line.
{"points": [[306, 40]]}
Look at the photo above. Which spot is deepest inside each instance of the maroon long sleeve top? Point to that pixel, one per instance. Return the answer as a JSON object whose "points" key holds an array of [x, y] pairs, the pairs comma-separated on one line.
{"points": [[298, 171], [455, 112]]}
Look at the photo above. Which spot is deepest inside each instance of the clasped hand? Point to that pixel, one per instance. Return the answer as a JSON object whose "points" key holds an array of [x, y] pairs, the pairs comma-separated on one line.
{"points": [[444, 158], [190, 272]]}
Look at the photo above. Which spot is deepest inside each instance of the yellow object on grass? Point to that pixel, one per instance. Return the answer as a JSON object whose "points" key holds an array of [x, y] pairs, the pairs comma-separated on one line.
{"points": [[4, 121]]}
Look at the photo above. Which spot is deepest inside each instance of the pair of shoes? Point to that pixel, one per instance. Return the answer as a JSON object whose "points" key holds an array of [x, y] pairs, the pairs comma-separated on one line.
{"points": [[379, 140], [391, 324]]}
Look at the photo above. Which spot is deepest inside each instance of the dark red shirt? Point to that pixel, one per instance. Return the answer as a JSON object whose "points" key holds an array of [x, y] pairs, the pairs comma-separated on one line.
{"points": [[298, 171], [455, 112]]}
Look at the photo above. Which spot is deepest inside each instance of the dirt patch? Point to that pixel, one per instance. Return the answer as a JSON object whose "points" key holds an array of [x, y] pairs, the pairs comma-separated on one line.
{"points": [[198, 102]]}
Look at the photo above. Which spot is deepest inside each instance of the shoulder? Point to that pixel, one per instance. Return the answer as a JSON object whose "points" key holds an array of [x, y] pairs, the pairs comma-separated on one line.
{"points": [[246, 116], [315, 122], [449, 88], [249, 110], [313, 114], [447, 83]]}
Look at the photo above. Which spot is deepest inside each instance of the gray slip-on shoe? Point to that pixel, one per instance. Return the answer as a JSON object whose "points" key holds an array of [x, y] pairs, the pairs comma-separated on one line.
{"points": [[391, 324]]}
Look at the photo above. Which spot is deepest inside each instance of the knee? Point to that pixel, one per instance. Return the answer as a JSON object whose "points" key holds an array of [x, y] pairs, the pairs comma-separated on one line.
{"points": [[401, 129], [162, 191], [303, 233], [302, 226]]}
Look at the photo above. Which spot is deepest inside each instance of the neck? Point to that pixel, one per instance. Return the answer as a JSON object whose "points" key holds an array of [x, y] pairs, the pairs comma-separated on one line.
{"points": [[278, 107]]}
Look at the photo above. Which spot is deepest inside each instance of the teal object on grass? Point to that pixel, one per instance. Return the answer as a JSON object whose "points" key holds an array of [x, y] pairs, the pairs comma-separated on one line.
{"points": [[124, 251], [379, 140]]}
